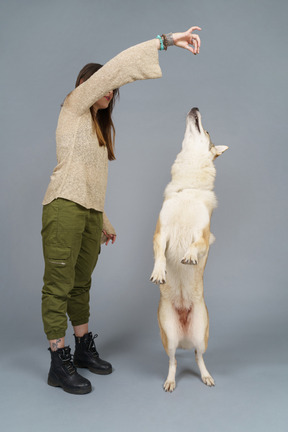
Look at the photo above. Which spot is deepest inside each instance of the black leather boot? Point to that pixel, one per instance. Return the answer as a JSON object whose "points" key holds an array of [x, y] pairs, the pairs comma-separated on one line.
{"points": [[86, 355], [64, 374]]}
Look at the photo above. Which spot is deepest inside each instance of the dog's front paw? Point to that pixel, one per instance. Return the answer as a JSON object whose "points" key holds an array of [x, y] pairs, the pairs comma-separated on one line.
{"points": [[189, 261], [191, 257], [169, 386], [158, 275], [208, 380]]}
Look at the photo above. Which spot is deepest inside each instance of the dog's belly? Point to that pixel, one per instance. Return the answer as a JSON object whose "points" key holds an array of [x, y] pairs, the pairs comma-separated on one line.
{"points": [[182, 288], [185, 335], [183, 307], [187, 330]]}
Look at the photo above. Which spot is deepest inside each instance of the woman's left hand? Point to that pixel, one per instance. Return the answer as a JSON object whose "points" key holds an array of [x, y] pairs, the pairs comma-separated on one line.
{"points": [[188, 40], [109, 237]]}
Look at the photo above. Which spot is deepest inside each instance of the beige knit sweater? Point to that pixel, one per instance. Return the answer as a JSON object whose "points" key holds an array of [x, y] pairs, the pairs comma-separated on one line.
{"points": [[82, 165]]}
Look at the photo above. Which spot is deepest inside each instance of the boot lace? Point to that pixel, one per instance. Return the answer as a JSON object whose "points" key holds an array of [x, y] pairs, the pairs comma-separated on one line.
{"points": [[92, 346], [67, 359], [69, 366]]}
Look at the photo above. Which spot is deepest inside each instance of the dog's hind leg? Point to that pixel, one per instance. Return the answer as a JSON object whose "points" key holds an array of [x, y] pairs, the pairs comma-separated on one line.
{"points": [[205, 375], [201, 334], [168, 329], [158, 275], [170, 382], [199, 247]]}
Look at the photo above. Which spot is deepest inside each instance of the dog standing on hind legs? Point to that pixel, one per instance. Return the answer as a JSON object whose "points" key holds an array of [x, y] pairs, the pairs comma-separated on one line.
{"points": [[181, 245]]}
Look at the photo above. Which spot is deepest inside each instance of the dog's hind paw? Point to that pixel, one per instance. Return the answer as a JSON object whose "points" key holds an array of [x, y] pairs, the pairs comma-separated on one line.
{"points": [[169, 386], [208, 380]]}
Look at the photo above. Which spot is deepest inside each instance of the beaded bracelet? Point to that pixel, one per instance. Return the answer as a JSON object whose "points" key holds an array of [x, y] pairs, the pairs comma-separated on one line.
{"points": [[161, 42], [167, 40]]}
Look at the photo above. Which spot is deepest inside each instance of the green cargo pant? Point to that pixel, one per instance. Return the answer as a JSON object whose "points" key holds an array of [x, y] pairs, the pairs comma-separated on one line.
{"points": [[71, 236]]}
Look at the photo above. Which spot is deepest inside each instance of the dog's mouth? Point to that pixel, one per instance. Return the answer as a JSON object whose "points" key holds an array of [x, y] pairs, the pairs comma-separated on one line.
{"points": [[194, 113], [195, 116]]}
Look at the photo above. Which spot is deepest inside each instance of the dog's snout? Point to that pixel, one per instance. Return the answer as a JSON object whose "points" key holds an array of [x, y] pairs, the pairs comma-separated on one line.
{"points": [[194, 114], [194, 111]]}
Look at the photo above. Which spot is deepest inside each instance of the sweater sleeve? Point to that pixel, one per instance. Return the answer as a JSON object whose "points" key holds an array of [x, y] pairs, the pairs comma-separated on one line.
{"points": [[139, 62]]}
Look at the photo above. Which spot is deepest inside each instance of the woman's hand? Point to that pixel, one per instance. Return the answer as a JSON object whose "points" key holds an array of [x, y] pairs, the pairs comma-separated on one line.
{"points": [[188, 40], [109, 237]]}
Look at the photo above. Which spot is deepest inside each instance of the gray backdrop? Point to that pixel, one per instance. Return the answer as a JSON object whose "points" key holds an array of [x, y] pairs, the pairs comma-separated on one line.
{"points": [[239, 82]]}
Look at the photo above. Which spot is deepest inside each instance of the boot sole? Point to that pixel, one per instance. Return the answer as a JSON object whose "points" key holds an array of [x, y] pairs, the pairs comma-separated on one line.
{"points": [[108, 372], [95, 371], [54, 383]]}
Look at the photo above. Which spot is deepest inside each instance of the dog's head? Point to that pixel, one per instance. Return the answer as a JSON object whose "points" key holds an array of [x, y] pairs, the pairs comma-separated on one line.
{"points": [[197, 137]]}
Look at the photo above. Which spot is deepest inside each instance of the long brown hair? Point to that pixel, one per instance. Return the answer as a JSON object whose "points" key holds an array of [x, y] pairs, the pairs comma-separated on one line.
{"points": [[103, 123]]}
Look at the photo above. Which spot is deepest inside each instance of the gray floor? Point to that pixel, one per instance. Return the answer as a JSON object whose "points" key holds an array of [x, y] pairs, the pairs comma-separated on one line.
{"points": [[251, 375]]}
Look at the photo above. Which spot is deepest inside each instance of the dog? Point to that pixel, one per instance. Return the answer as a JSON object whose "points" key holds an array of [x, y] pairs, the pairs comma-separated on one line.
{"points": [[181, 244]]}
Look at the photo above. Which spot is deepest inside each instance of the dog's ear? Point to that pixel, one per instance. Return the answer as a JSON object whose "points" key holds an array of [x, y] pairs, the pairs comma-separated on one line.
{"points": [[218, 150]]}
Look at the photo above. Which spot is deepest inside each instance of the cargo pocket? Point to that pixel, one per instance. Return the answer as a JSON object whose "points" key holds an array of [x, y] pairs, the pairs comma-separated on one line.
{"points": [[56, 255], [58, 273]]}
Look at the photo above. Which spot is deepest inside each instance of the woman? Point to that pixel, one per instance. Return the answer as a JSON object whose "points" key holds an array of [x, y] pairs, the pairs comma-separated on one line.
{"points": [[74, 222]]}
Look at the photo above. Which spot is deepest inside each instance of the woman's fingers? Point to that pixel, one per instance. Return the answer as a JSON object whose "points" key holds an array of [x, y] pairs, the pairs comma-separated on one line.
{"points": [[194, 28], [195, 39], [191, 49], [188, 40], [111, 237], [196, 43]]}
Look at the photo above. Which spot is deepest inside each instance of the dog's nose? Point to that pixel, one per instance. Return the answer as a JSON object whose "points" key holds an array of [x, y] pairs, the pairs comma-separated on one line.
{"points": [[193, 112]]}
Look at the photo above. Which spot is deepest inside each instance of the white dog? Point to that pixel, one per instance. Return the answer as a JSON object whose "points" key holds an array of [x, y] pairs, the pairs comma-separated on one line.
{"points": [[182, 237]]}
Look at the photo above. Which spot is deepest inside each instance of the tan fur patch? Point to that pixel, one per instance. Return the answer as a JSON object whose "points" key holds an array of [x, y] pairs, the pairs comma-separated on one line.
{"points": [[163, 334], [207, 330]]}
